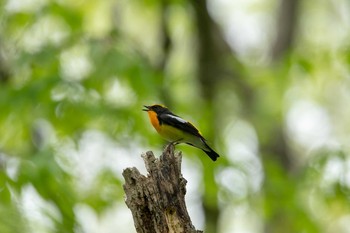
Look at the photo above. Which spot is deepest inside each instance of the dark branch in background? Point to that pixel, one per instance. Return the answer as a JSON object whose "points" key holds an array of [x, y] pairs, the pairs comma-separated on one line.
{"points": [[4, 69], [157, 201], [217, 62], [165, 37], [285, 33], [212, 50], [285, 28], [276, 150], [216, 65], [166, 45]]}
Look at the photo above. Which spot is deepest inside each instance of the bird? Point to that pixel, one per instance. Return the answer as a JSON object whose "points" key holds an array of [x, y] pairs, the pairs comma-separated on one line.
{"points": [[177, 130]]}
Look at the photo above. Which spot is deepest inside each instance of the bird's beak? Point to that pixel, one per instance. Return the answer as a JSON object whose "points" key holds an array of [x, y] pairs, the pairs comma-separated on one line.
{"points": [[146, 108]]}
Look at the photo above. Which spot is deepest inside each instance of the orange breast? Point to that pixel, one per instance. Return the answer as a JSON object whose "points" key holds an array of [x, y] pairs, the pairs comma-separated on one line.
{"points": [[154, 120]]}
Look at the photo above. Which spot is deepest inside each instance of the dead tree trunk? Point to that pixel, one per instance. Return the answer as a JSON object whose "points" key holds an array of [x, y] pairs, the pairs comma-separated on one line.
{"points": [[157, 201]]}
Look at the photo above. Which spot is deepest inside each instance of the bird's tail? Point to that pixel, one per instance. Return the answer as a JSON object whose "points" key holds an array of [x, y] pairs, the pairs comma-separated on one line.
{"points": [[211, 153]]}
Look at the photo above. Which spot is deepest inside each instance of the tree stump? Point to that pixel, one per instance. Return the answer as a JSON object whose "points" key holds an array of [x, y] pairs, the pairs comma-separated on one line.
{"points": [[157, 201]]}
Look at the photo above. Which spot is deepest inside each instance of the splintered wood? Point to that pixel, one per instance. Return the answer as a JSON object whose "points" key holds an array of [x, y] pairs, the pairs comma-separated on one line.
{"points": [[157, 201]]}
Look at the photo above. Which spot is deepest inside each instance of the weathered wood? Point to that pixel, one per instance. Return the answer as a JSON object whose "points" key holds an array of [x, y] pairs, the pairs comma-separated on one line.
{"points": [[157, 201]]}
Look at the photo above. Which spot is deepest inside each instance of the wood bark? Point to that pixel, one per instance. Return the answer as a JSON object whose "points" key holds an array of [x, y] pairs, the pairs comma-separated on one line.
{"points": [[157, 201]]}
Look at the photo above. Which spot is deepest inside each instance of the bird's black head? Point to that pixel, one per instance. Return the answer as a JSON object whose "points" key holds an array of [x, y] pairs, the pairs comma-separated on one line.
{"points": [[159, 109]]}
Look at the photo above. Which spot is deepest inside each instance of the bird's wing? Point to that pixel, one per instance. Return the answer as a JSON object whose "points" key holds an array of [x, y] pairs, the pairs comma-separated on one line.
{"points": [[179, 123]]}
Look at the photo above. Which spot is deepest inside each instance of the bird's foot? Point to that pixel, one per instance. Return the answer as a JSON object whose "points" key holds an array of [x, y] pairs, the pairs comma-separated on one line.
{"points": [[172, 144]]}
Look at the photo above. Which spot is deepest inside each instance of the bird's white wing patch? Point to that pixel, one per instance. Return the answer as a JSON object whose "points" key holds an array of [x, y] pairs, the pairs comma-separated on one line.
{"points": [[177, 118]]}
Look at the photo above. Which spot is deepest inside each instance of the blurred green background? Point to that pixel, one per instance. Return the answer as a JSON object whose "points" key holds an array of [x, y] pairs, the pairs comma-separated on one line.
{"points": [[267, 82]]}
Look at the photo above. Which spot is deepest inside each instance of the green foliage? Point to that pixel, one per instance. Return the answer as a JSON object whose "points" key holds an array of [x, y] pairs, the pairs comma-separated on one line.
{"points": [[89, 66]]}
